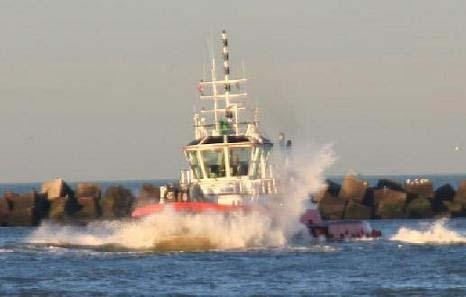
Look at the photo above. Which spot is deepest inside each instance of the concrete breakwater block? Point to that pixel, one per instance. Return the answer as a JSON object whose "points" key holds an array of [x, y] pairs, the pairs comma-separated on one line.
{"points": [[368, 199], [460, 195], [15, 201], [25, 210], [333, 188], [4, 212], [326, 190], [61, 199], [353, 189], [442, 194], [390, 184], [63, 208], [332, 208], [461, 192], [445, 193], [23, 217], [89, 208], [56, 188], [88, 200], [419, 208], [57, 208], [320, 195], [420, 187], [68, 209], [389, 204], [88, 190], [354, 210], [148, 194], [117, 202], [454, 208]]}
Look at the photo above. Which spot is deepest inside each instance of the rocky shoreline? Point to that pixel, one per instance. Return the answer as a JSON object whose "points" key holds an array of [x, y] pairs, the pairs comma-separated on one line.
{"points": [[354, 198]]}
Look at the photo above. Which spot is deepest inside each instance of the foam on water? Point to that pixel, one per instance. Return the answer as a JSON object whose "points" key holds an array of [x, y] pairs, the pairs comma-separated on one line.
{"points": [[175, 231], [168, 231], [437, 233]]}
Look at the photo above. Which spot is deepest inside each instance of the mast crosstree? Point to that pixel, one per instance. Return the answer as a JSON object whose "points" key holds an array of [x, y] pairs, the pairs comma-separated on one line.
{"points": [[224, 117]]}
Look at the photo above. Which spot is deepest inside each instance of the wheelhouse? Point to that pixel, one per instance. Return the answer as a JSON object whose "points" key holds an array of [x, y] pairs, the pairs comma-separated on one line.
{"points": [[228, 157]]}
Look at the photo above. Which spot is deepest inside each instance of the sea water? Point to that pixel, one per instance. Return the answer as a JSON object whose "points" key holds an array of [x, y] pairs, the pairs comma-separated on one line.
{"points": [[414, 257], [243, 255]]}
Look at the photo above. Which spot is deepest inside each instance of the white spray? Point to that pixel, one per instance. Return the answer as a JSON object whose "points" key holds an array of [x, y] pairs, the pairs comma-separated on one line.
{"points": [[206, 231], [437, 233], [305, 177]]}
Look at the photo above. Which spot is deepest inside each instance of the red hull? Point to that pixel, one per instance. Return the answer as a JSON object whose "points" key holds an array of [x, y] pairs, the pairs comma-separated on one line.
{"points": [[185, 207]]}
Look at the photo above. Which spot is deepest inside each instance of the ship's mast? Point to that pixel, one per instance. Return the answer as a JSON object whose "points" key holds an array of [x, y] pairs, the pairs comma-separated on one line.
{"points": [[226, 67], [214, 92], [226, 116]]}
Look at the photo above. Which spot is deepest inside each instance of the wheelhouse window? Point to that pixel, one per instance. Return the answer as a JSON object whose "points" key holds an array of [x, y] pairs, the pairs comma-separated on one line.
{"points": [[264, 157], [255, 162], [239, 161], [195, 165], [259, 161], [214, 163]]}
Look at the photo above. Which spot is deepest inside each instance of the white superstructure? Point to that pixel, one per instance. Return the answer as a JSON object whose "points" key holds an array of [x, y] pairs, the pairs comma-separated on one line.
{"points": [[229, 157]]}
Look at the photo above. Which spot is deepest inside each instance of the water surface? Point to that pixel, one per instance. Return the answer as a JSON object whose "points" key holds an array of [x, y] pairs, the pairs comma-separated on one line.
{"points": [[414, 257]]}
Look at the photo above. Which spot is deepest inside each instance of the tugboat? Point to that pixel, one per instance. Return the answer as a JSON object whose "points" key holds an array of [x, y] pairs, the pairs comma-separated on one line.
{"points": [[229, 159]]}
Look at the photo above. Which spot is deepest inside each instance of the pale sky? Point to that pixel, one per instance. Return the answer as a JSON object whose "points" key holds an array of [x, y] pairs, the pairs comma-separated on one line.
{"points": [[105, 89]]}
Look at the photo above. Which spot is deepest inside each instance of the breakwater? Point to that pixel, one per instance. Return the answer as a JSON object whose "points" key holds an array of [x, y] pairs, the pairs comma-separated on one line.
{"points": [[58, 201], [349, 197], [356, 198]]}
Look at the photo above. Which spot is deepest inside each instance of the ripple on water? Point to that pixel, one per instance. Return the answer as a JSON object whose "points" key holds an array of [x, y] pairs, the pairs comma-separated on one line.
{"points": [[377, 267]]}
